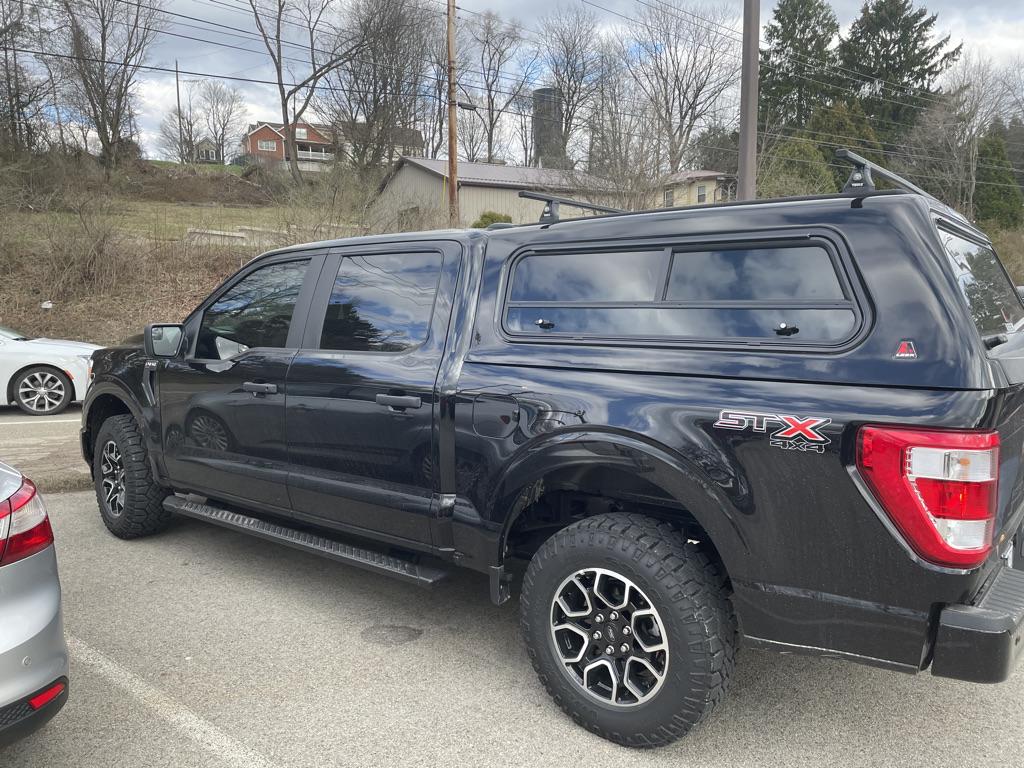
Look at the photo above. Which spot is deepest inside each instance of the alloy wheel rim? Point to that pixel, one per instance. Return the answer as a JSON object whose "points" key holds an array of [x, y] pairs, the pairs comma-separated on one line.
{"points": [[609, 637], [41, 391], [112, 478]]}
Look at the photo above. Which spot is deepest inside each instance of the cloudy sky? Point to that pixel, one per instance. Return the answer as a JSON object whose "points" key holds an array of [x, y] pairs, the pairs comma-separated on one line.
{"points": [[994, 27]]}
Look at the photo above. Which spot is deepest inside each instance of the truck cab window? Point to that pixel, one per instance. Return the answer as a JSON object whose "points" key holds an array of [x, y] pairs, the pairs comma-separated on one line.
{"points": [[381, 302], [254, 312]]}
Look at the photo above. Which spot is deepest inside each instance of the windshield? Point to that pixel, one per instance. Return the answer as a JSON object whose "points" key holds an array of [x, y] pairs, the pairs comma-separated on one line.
{"points": [[10, 333], [994, 303]]}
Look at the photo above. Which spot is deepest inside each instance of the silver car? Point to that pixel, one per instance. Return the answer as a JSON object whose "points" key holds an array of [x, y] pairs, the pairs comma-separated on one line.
{"points": [[33, 653]]}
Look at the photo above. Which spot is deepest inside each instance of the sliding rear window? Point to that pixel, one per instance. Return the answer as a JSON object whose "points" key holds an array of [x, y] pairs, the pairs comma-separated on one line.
{"points": [[789, 294], [993, 301]]}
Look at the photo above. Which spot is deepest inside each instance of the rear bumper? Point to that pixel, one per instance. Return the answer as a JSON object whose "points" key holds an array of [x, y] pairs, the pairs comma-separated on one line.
{"points": [[982, 643], [19, 719]]}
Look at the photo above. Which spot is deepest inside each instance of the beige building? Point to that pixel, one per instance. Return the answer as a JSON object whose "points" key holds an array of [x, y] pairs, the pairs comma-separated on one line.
{"points": [[415, 193], [692, 188]]}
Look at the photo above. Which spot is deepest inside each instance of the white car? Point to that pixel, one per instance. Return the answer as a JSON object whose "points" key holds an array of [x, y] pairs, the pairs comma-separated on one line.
{"points": [[42, 376]]}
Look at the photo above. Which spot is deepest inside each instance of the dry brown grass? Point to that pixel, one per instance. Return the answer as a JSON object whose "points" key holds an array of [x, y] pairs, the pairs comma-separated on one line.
{"points": [[1009, 245]]}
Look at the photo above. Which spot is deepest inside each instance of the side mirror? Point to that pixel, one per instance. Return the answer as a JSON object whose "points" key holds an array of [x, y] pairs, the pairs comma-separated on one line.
{"points": [[163, 340]]}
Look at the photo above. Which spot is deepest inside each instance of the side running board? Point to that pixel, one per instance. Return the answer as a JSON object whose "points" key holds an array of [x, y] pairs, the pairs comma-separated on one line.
{"points": [[367, 559]]}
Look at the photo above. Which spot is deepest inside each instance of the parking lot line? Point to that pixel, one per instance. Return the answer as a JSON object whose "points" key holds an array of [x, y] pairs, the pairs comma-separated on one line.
{"points": [[231, 751], [39, 421]]}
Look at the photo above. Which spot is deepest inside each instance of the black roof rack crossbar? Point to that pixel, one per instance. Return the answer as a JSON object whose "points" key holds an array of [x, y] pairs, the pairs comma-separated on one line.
{"points": [[861, 178], [551, 202]]}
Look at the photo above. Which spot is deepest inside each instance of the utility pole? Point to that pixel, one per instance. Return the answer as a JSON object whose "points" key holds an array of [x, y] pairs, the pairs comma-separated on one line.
{"points": [[746, 187], [181, 135], [453, 141]]}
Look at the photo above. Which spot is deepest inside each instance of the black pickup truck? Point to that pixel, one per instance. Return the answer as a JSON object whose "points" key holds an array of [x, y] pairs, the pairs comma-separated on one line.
{"points": [[790, 424]]}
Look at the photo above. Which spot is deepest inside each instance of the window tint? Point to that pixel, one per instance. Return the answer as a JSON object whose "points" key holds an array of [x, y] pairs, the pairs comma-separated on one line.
{"points": [[381, 302], [771, 274], [813, 325], [572, 277], [639, 295], [992, 298], [254, 312]]}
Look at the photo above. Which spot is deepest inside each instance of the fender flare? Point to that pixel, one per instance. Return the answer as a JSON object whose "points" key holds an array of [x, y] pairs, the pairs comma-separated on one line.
{"points": [[676, 476], [114, 388]]}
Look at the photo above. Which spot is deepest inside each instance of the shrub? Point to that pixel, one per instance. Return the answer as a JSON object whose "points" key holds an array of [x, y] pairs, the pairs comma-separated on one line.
{"points": [[491, 217]]}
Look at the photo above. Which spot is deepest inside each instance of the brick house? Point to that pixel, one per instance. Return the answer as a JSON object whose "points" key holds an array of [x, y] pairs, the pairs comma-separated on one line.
{"points": [[317, 144]]}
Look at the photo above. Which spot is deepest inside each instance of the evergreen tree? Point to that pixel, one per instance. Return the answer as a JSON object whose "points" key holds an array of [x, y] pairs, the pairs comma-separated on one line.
{"points": [[797, 66], [846, 125], [997, 198], [893, 52], [794, 167], [1015, 148]]}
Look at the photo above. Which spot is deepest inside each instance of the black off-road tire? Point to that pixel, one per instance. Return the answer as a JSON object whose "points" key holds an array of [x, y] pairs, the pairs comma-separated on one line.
{"points": [[686, 587], [141, 511]]}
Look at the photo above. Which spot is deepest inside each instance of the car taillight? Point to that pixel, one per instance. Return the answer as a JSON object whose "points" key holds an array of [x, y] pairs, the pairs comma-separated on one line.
{"points": [[24, 525], [938, 487]]}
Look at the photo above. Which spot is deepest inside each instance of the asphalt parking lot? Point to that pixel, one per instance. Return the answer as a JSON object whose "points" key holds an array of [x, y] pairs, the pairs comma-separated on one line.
{"points": [[45, 448], [203, 647]]}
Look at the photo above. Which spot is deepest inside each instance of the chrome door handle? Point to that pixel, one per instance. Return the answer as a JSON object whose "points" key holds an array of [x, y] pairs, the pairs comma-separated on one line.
{"points": [[259, 388]]}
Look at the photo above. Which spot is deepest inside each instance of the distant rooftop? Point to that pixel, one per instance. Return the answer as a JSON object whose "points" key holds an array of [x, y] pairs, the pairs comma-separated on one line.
{"points": [[511, 176]]}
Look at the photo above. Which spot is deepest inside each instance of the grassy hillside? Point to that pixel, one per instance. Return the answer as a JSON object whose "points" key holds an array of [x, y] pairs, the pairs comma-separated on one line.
{"points": [[114, 254]]}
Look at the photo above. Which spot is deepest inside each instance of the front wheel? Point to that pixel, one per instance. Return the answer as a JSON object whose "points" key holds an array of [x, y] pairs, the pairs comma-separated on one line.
{"points": [[130, 500], [629, 627], [43, 391]]}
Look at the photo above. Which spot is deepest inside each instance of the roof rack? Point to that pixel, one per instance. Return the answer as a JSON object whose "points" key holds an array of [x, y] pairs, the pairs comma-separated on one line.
{"points": [[861, 177], [551, 203]]}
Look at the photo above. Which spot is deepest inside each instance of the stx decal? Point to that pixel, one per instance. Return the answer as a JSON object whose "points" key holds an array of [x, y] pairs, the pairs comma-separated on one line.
{"points": [[791, 433]]}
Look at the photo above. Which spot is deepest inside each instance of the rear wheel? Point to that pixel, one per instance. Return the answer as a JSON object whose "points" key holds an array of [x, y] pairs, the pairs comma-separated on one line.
{"points": [[130, 500], [629, 627], [43, 391]]}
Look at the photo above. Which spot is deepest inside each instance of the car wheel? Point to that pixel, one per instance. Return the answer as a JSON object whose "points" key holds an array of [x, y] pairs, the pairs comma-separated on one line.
{"points": [[130, 500], [43, 391], [629, 627]]}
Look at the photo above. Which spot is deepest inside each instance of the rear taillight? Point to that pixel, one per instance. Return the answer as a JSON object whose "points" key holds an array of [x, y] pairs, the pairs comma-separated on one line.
{"points": [[24, 526], [939, 488]]}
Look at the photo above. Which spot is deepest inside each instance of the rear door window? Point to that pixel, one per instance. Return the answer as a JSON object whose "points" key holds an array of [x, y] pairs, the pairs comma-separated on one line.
{"points": [[381, 302], [991, 297], [789, 294]]}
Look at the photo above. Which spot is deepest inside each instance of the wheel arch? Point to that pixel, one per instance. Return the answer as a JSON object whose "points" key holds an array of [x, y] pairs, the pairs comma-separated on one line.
{"points": [[105, 400], [621, 470]]}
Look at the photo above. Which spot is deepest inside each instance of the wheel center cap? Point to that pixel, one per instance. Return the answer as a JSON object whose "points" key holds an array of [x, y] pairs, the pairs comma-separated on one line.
{"points": [[609, 632]]}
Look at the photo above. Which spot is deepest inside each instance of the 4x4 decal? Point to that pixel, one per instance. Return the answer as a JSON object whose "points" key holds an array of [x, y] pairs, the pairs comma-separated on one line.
{"points": [[793, 433]]}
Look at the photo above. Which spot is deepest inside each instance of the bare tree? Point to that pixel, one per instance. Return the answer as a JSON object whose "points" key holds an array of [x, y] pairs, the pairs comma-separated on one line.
{"points": [[625, 150], [504, 69], [569, 56], [1012, 79], [179, 133], [472, 130], [22, 91], [683, 60], [108, 41], [373, 100], [943, 146], [223, 111], [324, 45], [522, 112]]}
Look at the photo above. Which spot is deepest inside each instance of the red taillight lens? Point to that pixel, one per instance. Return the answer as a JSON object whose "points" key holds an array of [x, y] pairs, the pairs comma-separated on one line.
{"points": [[24, 525], [938, 488], [43, 698]]}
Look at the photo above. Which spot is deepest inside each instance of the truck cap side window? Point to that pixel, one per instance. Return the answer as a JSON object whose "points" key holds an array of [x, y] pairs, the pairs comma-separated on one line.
{"points": [[254, 312], [991, 297], [790, 294], [381, 302]]}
